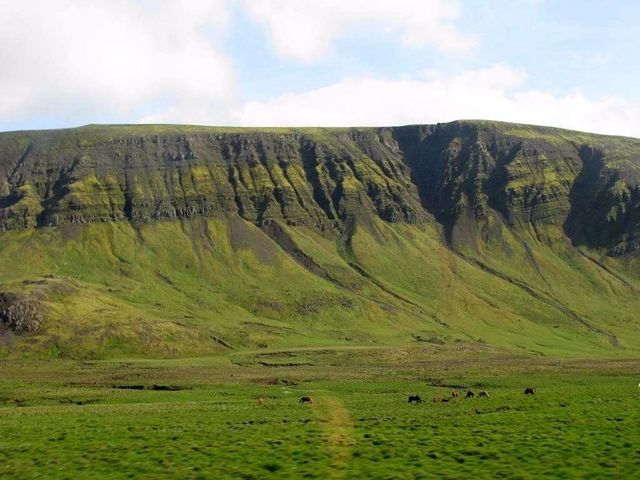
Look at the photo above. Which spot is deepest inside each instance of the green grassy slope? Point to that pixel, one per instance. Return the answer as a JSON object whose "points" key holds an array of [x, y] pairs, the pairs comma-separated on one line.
{"points": [[569, 305], [183, 288], [205, 286]]}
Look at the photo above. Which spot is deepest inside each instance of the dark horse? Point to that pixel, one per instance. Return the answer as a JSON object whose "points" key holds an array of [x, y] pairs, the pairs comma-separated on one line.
{"points": [[415, 399], [470, 394], [529, 391], [306, 399]]}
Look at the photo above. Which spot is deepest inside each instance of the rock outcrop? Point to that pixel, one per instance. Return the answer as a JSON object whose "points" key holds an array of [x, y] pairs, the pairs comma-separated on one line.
{"points": [[463, 174], [21, 313]]}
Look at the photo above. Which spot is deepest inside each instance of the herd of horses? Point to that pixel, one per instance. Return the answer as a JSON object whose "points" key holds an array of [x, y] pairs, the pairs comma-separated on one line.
{"points": [[469, 394], [417, 399]]}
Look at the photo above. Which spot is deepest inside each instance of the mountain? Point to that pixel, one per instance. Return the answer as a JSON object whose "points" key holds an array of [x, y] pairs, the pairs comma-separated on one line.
{"points": [[166, 241]]}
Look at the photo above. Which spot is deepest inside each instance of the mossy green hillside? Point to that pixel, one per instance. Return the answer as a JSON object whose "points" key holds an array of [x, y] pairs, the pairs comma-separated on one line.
{"points": [[172, 241], [204, 286]]}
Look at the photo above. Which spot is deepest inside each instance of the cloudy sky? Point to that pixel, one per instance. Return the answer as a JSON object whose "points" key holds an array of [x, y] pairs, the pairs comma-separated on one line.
{"points": [[320, 62]]}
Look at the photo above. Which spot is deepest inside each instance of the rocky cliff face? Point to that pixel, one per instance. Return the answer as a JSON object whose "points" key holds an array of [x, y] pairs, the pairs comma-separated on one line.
{"points": [[291, 176], [586, 185], [461, 174]]}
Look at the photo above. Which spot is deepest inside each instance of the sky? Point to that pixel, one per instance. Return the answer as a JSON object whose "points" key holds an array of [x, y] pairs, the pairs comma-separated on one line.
{"points": [[565, 63]]}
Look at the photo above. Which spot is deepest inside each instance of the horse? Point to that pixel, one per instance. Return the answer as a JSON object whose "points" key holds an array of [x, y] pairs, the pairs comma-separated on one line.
{"points": [[305, 399], [470, 394], [483, 393], [454, 394], [415, 399], [259, 401], [529, 391]]}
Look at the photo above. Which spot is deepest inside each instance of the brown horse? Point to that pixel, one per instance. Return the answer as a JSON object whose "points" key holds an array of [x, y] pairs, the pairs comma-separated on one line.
{"points": [[415, 399], [454, 394], [529, 391], [306, 399], [483, 393], [470, 394]]}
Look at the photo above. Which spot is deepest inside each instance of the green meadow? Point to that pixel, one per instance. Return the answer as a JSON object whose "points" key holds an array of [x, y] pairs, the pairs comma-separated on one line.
{"points": [[198, 418], [156, 281]]}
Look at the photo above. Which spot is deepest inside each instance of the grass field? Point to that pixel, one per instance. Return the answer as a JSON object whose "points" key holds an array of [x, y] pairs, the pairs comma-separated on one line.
{"points": [[198, 418], [156, 280]]}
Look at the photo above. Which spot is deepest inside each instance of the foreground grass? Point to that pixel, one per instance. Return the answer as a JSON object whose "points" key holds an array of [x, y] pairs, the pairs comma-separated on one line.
{"points": [[66, 420]]}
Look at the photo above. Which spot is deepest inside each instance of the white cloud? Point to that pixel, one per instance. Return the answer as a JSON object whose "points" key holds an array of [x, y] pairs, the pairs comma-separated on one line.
{"points": [[90, 59], [491, 93], [307, 30], [71, 61]]}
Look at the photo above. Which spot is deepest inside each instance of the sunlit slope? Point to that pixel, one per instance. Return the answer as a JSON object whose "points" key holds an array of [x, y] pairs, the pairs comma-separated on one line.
{"points": [[185, 288], [202, 286], [564, 302]]}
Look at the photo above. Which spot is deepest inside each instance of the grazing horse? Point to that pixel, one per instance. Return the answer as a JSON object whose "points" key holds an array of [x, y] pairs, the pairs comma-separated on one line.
{"points": [[259, 401], [483, 393], [415, 399], [469, 394], [306, 399], [529, 391], [454, 394]]}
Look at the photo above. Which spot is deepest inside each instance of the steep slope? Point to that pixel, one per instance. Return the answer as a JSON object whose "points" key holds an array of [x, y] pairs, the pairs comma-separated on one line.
{"points": [[554, 181], [176, 240], [97, 174]]}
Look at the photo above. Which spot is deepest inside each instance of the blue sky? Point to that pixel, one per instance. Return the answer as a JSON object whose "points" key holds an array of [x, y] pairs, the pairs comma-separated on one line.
{"points": [[563, 47], [323, 62]]}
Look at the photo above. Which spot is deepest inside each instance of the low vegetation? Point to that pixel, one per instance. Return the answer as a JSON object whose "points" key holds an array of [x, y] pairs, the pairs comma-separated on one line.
{"points": [[68, 419]]}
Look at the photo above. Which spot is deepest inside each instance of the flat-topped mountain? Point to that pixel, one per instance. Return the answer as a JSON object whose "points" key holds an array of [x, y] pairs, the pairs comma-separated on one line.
{"points": [[182, 240]]}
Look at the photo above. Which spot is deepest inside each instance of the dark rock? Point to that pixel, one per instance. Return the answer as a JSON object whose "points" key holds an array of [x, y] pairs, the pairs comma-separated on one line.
{"points": [[21, 313], [475, 178]]}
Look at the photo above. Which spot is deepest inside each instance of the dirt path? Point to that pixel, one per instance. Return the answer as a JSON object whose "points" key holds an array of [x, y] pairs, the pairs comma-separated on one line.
{"points": [[338, 428]]}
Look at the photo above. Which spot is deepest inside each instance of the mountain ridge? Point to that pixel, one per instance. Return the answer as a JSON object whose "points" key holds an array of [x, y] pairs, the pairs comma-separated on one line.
{"points": [[304, 149], [235, 128]]}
